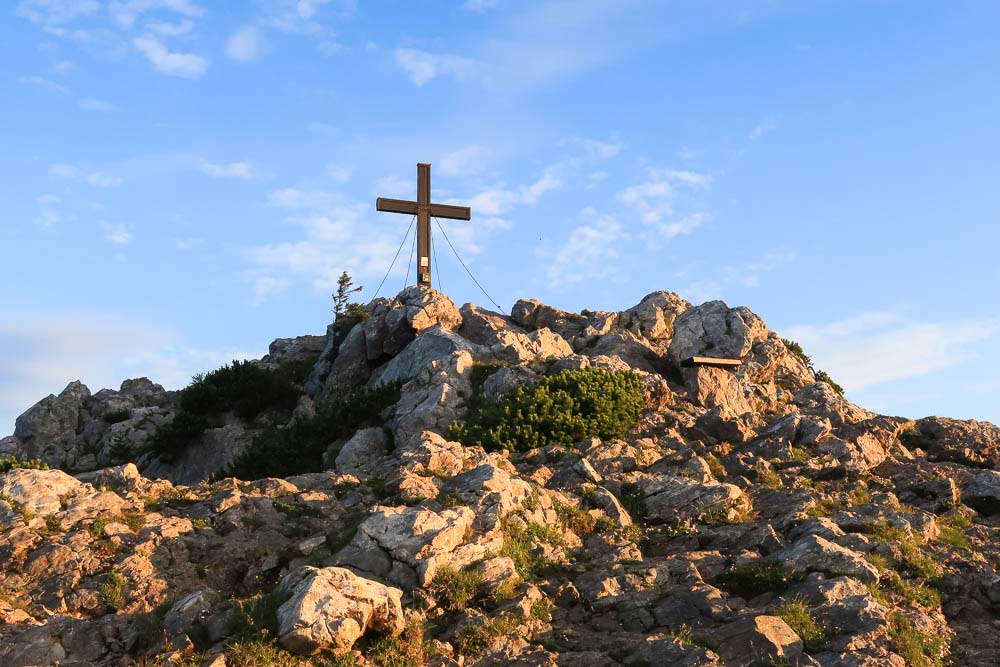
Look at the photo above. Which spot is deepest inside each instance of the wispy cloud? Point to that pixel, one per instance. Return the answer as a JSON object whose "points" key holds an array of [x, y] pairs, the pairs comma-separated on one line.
{"points": [[479, 6], [875, 347], [97, 179], [94, 104], [125, 13], [42, 83], [245, 44], [654, 198], [591, 250], [116, 234], [171, 63], [423, 67], [241, 170]]}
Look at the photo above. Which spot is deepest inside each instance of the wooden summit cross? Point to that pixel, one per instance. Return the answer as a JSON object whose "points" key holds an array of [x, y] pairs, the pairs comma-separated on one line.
{"points": [[423, 209]]}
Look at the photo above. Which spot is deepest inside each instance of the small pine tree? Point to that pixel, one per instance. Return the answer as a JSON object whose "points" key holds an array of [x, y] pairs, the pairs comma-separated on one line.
{"points": [[342, 297]]}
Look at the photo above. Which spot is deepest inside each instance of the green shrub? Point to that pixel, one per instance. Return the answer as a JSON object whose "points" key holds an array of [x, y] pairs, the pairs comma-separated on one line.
{"points": [[256, 617], [560, 409], [244, 387], [633, 500], [800, 619], [456, 587], [823, 376], [407, 650], [299, 448], [112, 591], [476, 637], [797, 350], [173, 438], [8, 463], [751, 580]]}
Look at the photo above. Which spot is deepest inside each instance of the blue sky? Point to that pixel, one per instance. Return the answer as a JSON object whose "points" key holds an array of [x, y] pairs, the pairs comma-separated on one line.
{"points": [[183, 180]]}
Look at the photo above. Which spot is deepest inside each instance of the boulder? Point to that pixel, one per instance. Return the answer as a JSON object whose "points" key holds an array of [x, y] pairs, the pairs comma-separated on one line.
{"points": [[670, 498], [813, 553], [654, 316], [407, 544], [982, 493], [331, 608], [713, 329], [715, 387], [364, 448], [758, 641], [434, 345], [49, 428], [39, 491]]}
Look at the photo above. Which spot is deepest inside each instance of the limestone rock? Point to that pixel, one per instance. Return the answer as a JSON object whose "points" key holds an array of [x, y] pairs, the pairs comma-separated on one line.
{"points": [[982, 493], [669, 498], [758, 641], [407, 544], [813, 553], [331, 608], [38, 491], [654, 316], [363, 449]]}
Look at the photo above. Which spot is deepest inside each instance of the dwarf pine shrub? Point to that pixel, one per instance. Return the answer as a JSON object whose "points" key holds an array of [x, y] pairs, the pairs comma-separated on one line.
{"points": [[243, 387], [8, 463], [558, 410], [282, 451]]}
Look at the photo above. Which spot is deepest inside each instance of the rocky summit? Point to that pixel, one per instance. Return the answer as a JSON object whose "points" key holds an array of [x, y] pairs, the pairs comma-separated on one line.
{"points": [[433, 485]]}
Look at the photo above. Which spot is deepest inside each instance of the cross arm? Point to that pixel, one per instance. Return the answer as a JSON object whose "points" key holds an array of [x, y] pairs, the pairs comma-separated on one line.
{"points": [[396, 205], [451, 212]]}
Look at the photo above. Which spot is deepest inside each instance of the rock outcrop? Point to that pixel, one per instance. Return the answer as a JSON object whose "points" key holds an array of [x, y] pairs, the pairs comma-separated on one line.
{"points": [[752, 516]]}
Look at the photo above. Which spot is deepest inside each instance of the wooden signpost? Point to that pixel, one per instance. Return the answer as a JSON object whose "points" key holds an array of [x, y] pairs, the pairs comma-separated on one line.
{"points": [[424, 209]]}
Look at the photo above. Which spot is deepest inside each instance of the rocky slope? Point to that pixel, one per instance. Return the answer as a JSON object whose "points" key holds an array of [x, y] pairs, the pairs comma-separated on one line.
{"points": [[752, 517]]}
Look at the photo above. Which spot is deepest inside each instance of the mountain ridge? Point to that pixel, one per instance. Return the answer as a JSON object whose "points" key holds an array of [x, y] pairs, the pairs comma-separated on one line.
{"points": [[740, 517]]}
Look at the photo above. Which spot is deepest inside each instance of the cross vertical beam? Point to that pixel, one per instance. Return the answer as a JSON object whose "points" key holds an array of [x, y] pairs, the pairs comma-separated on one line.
{"points": [[424, 209], [424, 224]]}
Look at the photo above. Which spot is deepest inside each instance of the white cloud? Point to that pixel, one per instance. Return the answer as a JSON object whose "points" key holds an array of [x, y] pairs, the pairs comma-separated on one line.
{"points": [[171, 29], [245, 44], [97, 179], [654, 198], [598, 150], [124, 13], [500, 200], [48, 210], [242, 170], [186, 65], [94, 104], [338, 173], [51, 13], [881, 346], [116, 233], [465, 161], [100, 350], [479, 6], [589, 252], [47, 85], [760, 130], [423, 67]]}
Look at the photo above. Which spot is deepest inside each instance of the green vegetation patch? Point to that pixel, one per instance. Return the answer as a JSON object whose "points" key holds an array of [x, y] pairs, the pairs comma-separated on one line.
{"points": [[558, 410], [751, 580], [917, 647], [243, 387], [800, 619], [8, 463], [283, 451], [456, 588]]}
